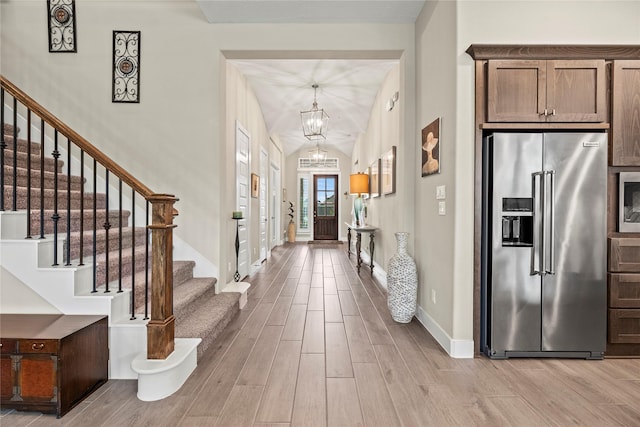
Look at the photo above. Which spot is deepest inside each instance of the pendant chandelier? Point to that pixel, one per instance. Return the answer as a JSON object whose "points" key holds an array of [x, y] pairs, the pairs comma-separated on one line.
{"points": [[317, 157], [314, 121]]}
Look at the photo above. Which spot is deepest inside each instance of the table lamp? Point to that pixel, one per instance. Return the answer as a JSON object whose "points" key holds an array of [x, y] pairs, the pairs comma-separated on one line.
{"points": [[358, 184]]}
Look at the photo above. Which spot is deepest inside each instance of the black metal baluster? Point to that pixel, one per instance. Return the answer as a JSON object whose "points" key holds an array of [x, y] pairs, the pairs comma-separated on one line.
{"points": [[28, 173], [107, 226], [146, 264], [56, 216], [15, 153], [120, 236], [133, 254], [81, 261], [68, 248], [3, 145], [41, 179], [95, 189]]}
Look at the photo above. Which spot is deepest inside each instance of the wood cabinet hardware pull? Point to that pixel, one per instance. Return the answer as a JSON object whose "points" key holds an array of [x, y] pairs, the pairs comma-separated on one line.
{"points": [[37, 346]]}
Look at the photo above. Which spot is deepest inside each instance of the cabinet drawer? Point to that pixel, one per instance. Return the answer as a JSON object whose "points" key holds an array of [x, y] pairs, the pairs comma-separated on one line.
{"points": [[624, 254], [8, 346], [624, 290], [38, 346], [624, 326]]}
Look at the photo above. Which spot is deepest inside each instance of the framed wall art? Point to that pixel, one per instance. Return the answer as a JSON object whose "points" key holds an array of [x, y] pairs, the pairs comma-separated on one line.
{"points": [[126, 66], [388, 175], [374, 178], [62, 25], [431, 148], [255, 185]]}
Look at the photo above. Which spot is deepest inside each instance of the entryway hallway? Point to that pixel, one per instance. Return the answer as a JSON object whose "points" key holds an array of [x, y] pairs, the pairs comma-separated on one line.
{"points": [[316, 346]]}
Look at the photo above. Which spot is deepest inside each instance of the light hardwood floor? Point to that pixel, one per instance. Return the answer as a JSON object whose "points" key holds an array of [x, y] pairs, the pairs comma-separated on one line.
{"points": [[316, 346]]}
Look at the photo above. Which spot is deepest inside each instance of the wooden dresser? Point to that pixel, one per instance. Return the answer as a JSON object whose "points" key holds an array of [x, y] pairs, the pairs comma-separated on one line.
{"points": [[49, 363]]}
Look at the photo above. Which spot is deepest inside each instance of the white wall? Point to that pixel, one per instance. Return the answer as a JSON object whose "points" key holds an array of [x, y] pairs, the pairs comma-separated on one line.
{"points": [[443, 33], [392, 212], [16, 297]]}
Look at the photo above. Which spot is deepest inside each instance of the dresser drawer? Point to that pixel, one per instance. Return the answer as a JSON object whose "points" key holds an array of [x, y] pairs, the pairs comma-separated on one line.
{"points": [[38, 346], [624, 290], [624, 326], [624, 254], [8, 346]]}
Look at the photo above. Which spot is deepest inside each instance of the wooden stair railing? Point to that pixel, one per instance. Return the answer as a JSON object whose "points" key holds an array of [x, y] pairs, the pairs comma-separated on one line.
{"points": [[160, 329]]}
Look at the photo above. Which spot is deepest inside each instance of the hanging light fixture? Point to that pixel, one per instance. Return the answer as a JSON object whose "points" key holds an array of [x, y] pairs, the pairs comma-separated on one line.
{"points": [[317, 157], [314, 121]]}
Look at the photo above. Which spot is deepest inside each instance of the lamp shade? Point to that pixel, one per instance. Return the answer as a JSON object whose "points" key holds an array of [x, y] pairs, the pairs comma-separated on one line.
{"points": [[358, 183]]}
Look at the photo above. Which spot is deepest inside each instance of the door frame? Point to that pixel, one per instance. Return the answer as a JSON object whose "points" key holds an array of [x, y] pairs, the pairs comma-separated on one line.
{"points": [[275, 211], [263, 203]]}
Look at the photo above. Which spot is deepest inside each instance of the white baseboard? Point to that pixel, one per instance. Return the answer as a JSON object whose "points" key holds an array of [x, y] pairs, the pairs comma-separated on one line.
{"points": [[378, 272], [458, 349]]}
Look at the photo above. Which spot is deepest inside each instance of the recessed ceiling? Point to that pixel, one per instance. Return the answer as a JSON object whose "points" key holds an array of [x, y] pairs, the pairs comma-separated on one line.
{"points": [[311, 11], [347, 90]]}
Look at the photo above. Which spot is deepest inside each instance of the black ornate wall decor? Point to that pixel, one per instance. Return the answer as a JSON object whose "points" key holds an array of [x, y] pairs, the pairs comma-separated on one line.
{"points": [[62, 25], [126, 66]]}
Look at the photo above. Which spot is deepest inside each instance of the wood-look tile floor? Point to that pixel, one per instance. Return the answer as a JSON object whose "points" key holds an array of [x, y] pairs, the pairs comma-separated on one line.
{"points": [[316, 346]]}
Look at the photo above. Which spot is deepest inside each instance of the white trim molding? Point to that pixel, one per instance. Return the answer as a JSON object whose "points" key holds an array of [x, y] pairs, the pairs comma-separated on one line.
{"points": [[458, 349]]}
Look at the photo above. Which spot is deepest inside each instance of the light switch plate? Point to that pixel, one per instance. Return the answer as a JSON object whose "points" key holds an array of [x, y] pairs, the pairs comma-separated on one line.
{"points": [[442, 208], [441, 193]]}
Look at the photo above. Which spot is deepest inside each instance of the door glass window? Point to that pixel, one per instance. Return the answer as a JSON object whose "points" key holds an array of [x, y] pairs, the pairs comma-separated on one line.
{"points": [[326, 196], [303, 205]]}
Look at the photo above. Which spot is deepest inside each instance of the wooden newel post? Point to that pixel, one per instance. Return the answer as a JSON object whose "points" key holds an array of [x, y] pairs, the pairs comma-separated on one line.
{"points": [[160, 329]]}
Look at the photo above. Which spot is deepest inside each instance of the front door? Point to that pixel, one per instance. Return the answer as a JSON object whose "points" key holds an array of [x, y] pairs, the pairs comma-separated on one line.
{"points": [[325, 207]]}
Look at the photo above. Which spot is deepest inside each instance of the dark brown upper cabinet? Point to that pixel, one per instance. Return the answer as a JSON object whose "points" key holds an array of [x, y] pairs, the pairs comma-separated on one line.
{"points": [[625, 114], [545, 91]]}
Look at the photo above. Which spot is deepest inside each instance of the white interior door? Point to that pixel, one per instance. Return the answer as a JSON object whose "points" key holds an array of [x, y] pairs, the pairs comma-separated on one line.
{"points": [[274, 205], [264, 168], [243, 157]]}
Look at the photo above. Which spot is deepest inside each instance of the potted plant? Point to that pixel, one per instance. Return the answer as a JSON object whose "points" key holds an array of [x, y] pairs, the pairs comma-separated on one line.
{"points": [[291, 228]]}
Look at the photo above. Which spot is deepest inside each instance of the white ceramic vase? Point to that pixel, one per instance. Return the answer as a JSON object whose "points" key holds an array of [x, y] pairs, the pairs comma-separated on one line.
{"points": [[402, 282]]}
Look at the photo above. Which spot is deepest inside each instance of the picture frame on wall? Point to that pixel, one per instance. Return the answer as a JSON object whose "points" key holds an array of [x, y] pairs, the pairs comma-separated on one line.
{"points": [[431, 148], [62, 26], [388, 175], [126, 67], [255, 185], [374, 178]]}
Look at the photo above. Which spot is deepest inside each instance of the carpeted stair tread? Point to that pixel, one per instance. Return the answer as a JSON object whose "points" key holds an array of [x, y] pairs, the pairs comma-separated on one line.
{"points": [[115, 217], [208, 317], [8, 129], [189, 292], [23, 145], [21, 161], [49, 178], [101, 235], [49, 198]]}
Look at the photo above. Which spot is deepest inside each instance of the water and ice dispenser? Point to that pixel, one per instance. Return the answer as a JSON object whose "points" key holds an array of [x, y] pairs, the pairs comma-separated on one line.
{"points": [[517, 221]]}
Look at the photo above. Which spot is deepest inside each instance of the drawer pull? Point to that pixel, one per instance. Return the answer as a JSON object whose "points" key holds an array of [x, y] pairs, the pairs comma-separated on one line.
{"points": [[37, 346]]}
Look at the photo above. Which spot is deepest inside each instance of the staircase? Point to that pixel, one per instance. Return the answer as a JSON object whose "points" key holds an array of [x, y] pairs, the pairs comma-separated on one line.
{"points": [[91, 232]]}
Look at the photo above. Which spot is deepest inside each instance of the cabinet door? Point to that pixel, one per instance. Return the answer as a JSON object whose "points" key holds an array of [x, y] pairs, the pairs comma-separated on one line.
{"points": [[624, 254], [624, 326], [7, 377], [576, 91], [625, 115], [37, 378], [516, 91]]}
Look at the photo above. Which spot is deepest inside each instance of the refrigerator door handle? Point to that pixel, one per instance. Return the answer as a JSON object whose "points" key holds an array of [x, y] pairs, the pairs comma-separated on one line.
{"points": [[551, 221], [537, 249]]}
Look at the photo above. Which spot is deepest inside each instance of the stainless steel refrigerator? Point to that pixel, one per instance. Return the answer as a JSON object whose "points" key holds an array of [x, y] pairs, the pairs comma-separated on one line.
{"points": [[544, 245]]}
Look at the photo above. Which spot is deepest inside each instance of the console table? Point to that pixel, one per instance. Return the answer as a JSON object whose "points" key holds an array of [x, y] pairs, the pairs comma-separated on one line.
{"points": [[51, 362], [359, 230]]}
